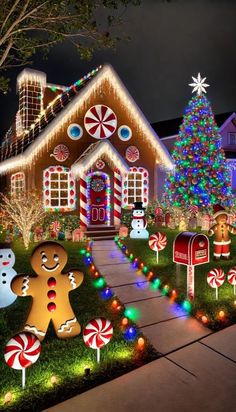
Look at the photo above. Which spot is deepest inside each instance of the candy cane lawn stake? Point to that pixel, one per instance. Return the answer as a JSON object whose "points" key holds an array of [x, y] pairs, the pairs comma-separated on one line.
{"points": [[22, 351], [157, 242], [232, 278], [216, 278], [97, 334]]}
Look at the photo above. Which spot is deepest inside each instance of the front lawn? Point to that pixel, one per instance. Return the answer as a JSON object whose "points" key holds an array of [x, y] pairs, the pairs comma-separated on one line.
{"points": [[65, 367], [214, 313]]}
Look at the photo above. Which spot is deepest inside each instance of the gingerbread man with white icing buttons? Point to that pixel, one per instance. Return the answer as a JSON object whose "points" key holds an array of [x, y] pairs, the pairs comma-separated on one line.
{"points": [[50, 292]]}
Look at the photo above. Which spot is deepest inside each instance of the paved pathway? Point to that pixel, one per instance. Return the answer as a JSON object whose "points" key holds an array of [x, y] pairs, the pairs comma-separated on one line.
{"points": [[197, 371], [166, 325]]}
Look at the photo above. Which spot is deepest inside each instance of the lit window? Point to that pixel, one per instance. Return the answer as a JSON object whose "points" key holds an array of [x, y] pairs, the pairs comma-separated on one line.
{"points": [[59, 189], [135, 187], [232, 138], [17, 183]]}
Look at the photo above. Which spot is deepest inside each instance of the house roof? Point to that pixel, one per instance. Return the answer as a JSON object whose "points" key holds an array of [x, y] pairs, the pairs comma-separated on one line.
{"points": [[171, 127], [64, 107], [98, 150]]}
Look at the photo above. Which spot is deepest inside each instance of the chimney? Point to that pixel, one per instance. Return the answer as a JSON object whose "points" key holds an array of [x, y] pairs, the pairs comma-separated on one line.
{"points": [[30, 86]]}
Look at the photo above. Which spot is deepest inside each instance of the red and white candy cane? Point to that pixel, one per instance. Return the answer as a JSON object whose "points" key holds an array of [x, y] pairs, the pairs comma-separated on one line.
{"points": [[97, 334], [22, 351], [83, 201], [193, 208], [157, 242], [117, 197], [215, 279], [232, 278]]}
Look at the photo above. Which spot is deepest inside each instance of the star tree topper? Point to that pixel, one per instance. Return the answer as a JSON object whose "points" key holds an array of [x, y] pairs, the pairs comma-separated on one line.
{"points": [[199, 84]]}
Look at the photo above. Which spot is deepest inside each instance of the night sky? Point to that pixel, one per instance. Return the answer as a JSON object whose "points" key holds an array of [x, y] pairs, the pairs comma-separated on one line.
{"points": [[170, 42]]}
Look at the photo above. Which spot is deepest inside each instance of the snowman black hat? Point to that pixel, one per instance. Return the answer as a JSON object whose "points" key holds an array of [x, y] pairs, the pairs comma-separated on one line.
{"points": [[5, 245], [138, 206]]}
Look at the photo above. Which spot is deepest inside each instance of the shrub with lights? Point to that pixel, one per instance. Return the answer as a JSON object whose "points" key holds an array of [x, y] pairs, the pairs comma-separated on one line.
{"points": [[201, 173]]}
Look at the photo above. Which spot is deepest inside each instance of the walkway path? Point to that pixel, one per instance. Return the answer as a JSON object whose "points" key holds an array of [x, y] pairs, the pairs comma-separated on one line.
{"points": [[166, 326], [197, 371]]}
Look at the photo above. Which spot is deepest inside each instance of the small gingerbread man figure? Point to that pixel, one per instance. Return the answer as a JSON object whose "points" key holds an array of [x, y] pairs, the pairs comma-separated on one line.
{"points": [[50, 292], [221, 232]]}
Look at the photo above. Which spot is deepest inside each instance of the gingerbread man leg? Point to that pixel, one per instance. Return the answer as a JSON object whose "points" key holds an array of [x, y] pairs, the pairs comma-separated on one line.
{"points": [[66, 326], [37, 324]]}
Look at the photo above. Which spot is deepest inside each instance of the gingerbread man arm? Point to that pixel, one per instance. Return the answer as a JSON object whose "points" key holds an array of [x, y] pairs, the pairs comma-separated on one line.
{"points": [[212, 230], [75, 279], [232, 229], [23, 285]]}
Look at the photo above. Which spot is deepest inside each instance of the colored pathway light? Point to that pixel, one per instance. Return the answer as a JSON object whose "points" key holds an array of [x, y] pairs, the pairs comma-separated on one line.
{"points": [[99, 283], [132, 314], [186, 305], [130, 333], [82, 251], [155, 284], [106, 294]]}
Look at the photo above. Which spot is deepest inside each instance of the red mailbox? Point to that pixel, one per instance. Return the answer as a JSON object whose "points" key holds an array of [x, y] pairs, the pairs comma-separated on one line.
{"points": [[191, 249]]}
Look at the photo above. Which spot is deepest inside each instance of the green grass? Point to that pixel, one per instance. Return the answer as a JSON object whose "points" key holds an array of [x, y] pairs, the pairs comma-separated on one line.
{"points": [[65, 359], [204, 302]]}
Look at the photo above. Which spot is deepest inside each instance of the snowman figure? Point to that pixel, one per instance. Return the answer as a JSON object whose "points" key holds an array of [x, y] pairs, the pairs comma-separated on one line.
{"points": [[139, 222], [7, 273]]}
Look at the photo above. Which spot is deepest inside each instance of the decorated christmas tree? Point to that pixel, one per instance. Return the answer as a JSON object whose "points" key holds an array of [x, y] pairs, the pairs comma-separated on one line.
{"points": [[201, 174]]}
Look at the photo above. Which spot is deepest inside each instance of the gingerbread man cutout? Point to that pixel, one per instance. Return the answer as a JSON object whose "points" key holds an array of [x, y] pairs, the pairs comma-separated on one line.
{"points": [[50, 292]]}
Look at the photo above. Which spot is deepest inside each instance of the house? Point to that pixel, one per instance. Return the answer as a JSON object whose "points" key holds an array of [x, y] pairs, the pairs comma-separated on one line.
{"points": [[168, 130], [87, 149]]}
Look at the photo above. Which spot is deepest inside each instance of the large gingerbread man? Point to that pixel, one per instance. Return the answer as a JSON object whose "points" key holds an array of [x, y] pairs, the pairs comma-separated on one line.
{"points": [[221, 232], [49, 290]]}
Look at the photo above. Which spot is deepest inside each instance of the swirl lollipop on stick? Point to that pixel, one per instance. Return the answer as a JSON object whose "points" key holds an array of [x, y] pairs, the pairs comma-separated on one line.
{"points": [[22, 351], [157, 242], [232, 278], [97, 334], [216, 278]]}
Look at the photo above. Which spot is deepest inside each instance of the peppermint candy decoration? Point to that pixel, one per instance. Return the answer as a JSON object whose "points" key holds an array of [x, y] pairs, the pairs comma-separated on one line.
{"points": [[157, 242], [100, 164], [232, 278], [55, 226], [100, 121], [97, 334], [193, 208], [132, 154], [22, 351], [215, 279], [61, 153]]}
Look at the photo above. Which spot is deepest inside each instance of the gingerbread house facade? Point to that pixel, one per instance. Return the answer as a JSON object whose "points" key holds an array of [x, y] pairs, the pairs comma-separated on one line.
{"points": [[87, 149]]}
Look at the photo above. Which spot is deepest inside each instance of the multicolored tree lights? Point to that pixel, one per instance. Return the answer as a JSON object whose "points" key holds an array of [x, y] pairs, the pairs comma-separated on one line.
{"points": [[201, 173]]}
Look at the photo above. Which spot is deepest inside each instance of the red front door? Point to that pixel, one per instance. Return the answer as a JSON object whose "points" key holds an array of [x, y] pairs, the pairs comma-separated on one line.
{"points": [[98, 200]]}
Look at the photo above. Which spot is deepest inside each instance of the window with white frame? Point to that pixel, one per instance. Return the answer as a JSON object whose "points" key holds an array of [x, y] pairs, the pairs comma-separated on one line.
{"points": [[135, 187], [17, 183], [59, 189], [232, 138]]}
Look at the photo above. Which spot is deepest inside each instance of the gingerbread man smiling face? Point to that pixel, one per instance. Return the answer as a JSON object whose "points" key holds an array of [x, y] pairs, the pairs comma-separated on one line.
{"points": [[49, 260], [49, 291]]}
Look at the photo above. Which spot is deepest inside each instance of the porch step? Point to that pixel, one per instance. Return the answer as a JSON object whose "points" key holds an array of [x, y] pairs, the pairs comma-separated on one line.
{"points": [[104, 238], [101, 232]]}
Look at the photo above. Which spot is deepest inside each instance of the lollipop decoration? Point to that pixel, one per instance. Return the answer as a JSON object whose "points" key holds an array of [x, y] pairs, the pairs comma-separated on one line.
{"points": [[22, 351], [232, 278], [216, 278], [132, 154], [60, 152], [100, 121], [157, 242], [97, 334]]}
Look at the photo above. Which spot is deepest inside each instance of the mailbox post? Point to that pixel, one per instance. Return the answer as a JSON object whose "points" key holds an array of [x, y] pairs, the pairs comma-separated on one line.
{"points": [[191, 249]]}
